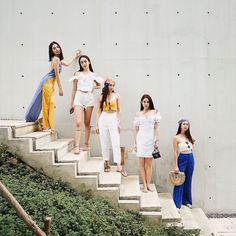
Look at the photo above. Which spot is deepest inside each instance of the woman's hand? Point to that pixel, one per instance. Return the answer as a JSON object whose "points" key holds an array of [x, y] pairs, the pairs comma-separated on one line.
{"points": [[135, 147], [119, 129], [78, 53], [60, 92], [72, 109], [176, 169], [156, 144], [97, 129]]}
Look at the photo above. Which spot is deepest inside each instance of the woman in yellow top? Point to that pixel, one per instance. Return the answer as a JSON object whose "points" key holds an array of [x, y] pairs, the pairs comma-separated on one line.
{"points": [[44, 98], [108, 125]]}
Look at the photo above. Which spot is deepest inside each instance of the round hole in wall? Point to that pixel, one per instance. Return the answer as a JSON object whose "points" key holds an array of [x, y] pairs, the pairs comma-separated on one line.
{"points": [[147, 43], [208, 12], [55, 107], [83, 13], [117, 75], [146, 12], [22, 76], [178, 74], [179, 105], [116, 43], [209, 74], [209, 105], [23, 107], [22, 44], [21, 12], [52, 13], [208, 43], [177, 12], [209, 137], [147, 75], [83, 44], [209, 166], [210, 198], [116, 12], [177, 43]]}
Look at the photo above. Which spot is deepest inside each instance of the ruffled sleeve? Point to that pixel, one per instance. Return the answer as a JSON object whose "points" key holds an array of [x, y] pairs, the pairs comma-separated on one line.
{"points": [[74, 78], [157, 117], [136, 121]]}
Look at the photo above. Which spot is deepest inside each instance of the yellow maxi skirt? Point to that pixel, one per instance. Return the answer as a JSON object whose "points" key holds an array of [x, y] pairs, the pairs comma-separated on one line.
{"points": [[48, 104]]}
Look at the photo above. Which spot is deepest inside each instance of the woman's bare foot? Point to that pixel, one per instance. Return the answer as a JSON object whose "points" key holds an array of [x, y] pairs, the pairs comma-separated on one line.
{"points": [[85, 147], [150, 189]]}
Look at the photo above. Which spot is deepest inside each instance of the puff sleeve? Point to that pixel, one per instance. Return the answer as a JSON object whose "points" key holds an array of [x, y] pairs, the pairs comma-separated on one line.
{"points": [[157, 117]]}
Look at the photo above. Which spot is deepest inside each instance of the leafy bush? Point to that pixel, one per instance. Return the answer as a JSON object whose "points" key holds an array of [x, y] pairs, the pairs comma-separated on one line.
{"points": [[72, 213]]}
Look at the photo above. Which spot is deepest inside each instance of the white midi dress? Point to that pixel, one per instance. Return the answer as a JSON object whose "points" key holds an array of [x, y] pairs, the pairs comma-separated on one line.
{"points": [[146, 133]]}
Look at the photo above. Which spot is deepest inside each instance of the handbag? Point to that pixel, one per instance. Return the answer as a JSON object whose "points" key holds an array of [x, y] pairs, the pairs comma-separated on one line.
{"points": [[156, 153], [177, 178]]}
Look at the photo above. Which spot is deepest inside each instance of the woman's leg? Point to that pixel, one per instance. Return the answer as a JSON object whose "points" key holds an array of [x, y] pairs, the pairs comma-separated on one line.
{"points": [[87, 121], [78, 127], [148, 162], [142, 173]]}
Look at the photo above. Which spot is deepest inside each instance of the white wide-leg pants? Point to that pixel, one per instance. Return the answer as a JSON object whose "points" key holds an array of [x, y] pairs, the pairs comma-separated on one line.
{"points": [[108, 129]]}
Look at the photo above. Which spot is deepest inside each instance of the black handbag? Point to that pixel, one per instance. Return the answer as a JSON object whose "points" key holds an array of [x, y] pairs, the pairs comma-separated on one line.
{"points": [[156, 153]]}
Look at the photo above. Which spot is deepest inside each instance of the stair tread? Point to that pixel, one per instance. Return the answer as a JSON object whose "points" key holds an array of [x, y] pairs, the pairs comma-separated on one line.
{"points": [[169, 210], [150, 213], [150, 201], [188, 219], [60, 143], [14, 123], [92, 167], [129, 188], [202, 221], [71, 157], [111, 178], [36, 134]]}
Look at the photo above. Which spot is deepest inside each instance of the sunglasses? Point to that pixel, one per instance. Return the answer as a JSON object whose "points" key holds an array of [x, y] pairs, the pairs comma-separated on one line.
{"points": [[111, 85]]}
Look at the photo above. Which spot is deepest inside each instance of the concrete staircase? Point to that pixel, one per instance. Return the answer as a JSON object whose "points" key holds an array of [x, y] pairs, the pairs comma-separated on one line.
{"points": [[43, 150]]}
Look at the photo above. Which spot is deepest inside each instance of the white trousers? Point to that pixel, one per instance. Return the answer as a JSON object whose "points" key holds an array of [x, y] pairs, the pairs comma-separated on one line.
{"points": [[108, 130]]}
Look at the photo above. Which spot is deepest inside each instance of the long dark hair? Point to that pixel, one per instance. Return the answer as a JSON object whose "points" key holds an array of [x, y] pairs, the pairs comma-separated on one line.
{"points": [[187, 132], [105, 91], [90, 64], [51, 53], [151, 105]]}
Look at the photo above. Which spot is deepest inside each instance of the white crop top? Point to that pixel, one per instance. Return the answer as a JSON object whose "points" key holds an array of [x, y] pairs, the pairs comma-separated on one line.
{"points": [[86, 82], [185, 146]]}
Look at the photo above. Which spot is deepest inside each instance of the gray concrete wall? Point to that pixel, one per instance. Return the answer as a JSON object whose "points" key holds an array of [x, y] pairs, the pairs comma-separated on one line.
{"points": [[180, 52]]}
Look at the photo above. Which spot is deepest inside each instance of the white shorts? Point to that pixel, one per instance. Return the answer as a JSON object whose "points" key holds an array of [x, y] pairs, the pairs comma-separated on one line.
{"points": [[84, 99]]}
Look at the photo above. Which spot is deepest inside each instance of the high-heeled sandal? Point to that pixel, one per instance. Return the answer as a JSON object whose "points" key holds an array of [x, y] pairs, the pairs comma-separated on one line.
{"points": [[77, 150], [107, 167]]}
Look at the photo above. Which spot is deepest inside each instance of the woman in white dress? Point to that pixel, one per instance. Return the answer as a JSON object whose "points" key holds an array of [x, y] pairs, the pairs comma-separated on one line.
{"points": [[147, 127], [82, 99]]}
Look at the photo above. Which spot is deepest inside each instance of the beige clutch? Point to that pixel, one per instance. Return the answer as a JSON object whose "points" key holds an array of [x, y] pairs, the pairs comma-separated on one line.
{"points": [[177, 178]]}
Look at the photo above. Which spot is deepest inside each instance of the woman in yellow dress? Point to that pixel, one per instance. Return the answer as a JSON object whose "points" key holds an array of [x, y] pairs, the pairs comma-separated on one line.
{"points": [[44, 98]]}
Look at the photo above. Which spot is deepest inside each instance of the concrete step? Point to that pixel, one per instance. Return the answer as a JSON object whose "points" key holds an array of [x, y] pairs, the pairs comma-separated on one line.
{"points": [[150, 201], [203, 222], [129, 188], [169, 211], [188, 220], [152, 216], [60, 147], [91, 167], [109, 179], [110, 193], [39, 138], [133, 205], [23, 128]]}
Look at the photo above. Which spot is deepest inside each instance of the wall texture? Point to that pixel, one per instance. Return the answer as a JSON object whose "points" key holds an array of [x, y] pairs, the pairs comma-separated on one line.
{"points": [[180, 52]]}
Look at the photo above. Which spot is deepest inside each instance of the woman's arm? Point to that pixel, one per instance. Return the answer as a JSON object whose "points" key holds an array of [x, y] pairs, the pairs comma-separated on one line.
{"points": [[175, 146], [99, 111], [68, 63], [157, 133], [73, 92], [55, 66], [136, 129]]}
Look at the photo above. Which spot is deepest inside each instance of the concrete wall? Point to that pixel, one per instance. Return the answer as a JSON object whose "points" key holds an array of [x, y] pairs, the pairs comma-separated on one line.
{"points": [[180, 52]]}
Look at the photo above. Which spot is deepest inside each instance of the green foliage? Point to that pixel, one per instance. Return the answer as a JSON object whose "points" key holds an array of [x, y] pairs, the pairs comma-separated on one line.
{"points": [[72, 213]]}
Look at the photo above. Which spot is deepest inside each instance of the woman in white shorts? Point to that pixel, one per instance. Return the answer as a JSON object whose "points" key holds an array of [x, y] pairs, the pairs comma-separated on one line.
{"points": [[82, 99], [147, 123]]}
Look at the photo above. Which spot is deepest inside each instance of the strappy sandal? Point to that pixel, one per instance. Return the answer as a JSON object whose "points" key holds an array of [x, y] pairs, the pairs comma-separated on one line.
{"points": [[123, 172], [77, 150], [107, 166]]}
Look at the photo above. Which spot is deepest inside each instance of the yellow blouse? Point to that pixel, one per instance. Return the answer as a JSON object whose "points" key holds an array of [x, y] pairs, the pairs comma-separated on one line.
{"points": [[110, 106]]}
